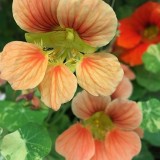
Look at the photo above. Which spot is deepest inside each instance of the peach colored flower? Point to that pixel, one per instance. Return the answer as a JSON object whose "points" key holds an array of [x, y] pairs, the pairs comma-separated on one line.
{"points": [[94, 21], [125, 88], [27, 65], [106, 131]]}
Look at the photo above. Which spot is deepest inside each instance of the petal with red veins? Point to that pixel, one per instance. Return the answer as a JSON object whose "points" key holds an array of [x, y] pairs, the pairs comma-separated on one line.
{"points": [[36, 15], [58, 86], [100, 151], [125, 114], [76, 143], [85, 105], [121, 145], [23, 65], [99, 73], [124, 89], [95, 28]]}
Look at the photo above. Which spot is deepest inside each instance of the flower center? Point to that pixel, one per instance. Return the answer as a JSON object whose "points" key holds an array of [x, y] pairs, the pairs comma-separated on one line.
{"points": [[151, 32], [99, 124]]}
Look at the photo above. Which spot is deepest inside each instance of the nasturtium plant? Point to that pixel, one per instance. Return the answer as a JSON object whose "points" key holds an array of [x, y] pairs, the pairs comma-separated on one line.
{"points": [[15, 115], [31, 142], [151, 58], [151, 115], [147, 79]]}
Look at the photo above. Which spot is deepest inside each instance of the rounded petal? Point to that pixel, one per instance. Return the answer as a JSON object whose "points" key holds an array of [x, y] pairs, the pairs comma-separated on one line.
{"points": [[140, 132], [37, 15], [125, 114], [124, 89], [142, 15], [23, 65], [133, 57], [100, 151], [99, 73], [76, 143], [95, 21], [85, 105], [128, 72], [129, 37], [121, 145], [58, 86]]}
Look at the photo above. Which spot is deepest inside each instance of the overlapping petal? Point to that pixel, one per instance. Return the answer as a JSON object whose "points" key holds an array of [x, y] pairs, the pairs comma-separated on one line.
{"points": [[100, 151], [76, 143], [37, 15], [133, 56], [96, 28], [125, 114], [23, 65], [124, 89], [122, 145], [128, 72], [96, 73], [58, 86], [128, 36], [85, 105]]}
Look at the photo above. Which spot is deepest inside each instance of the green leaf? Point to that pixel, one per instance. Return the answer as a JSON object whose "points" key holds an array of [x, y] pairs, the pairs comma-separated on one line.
{"points": [[151, 59], [144, 154], [15, 115], [67, 39], [31, 142], [151, 115], [148, 80], [124, 11], [152, 138]]}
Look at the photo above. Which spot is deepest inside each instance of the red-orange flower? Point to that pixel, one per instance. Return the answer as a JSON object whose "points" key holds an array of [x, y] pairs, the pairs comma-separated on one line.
{"points": [[138, 31]]}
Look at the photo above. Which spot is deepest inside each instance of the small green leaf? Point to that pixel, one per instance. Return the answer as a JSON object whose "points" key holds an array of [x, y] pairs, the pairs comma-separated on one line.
{"points": [[152, 138], [151, 115], [151, 59], [31, 142], [67, 39], [147, 79], [15, 115], [145, 154]]}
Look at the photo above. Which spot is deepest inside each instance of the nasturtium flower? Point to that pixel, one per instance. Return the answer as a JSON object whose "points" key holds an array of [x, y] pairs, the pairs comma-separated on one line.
{"points": [[138, 31], [94, 21], [63, 39], [125, 87], [106, 131]]}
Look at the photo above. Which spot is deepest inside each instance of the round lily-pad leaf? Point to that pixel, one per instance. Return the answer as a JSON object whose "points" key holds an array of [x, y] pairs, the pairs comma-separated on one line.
{"points": [[151, 59], [15, 115], [31, 142], [151, 115]]}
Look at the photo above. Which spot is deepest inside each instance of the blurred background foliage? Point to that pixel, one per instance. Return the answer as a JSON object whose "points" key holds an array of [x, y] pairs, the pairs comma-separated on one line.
{"points": [[9, 31]]}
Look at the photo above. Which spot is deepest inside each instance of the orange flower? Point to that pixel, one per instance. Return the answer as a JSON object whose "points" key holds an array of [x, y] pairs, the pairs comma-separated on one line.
{"points": [[138, 31], [106, 131], [26, 65]]}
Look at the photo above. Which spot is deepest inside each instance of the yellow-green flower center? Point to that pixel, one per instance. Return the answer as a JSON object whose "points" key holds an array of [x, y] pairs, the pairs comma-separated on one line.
{"points": [[61, 46], [99, 124], [151, 32]]}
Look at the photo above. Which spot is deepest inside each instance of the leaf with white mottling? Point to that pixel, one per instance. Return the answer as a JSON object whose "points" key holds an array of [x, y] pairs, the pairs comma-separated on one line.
{"points": [[31, 142], [151, 58], [15, 115], [151, 115]]}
